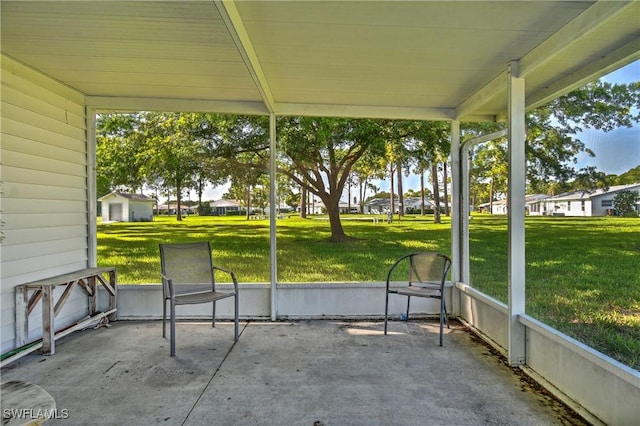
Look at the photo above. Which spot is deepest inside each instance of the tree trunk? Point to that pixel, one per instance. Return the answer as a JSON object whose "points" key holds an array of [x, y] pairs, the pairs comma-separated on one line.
{"points": [[436, 193], [445, 179], [349, 195], [333, 210], [400, 192], [201, 186], [422, 198], [248, 202], [178, 204], [303, 202], [392, 201], [491, 196]]}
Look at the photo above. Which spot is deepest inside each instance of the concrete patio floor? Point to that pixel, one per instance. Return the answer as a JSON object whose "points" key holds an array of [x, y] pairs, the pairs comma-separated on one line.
{"points": [[312, 373]]}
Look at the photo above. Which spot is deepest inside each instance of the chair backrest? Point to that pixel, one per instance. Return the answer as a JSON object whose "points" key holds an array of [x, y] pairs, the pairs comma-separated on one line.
{"points": [[188, 264], [428, 267]]}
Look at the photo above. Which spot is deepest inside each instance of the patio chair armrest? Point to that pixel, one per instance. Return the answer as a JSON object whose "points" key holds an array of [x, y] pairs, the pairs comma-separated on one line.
{"points": [[231, 273], [167, 286]]}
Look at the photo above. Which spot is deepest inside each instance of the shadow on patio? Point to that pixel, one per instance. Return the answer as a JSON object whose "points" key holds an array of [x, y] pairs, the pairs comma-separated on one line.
{"points": [[285, 373]]}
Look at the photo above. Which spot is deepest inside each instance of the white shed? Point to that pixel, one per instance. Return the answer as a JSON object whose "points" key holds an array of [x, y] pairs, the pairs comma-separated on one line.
{"points": [[123, 207]]}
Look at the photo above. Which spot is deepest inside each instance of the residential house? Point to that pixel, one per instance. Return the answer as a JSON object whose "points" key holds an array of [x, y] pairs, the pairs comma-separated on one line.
{"points": [[382, 205], [221, 207], [187, 208], [585, 203], [532, 205], [496, 207]]}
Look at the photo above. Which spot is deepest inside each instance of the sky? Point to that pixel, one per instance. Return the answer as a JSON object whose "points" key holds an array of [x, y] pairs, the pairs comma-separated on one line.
{"points": [[616, 151]]}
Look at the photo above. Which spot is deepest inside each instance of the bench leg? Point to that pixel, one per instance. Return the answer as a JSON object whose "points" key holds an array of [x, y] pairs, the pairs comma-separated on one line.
{"points": [[93, 295], [113, 297], [48, 327], [22, 316]]}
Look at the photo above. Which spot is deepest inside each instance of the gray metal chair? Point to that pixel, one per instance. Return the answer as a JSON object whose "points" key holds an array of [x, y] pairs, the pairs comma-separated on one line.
{"points": [[427, 272], [188, 277]]}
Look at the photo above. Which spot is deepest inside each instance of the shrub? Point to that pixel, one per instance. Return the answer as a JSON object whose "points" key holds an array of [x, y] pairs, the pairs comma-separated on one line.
{"points": [[625, 203], [204, 209]]}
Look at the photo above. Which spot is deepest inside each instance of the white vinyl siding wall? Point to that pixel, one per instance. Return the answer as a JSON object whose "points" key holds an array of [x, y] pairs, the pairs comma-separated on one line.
{"points": [[139, 210], [44, 190]]}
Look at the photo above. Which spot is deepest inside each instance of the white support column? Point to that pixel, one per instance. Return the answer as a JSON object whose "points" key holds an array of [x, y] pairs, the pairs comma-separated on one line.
{"points": [[516, 208], [465, 264], [92, 197], [457, 212], [272, 216]]}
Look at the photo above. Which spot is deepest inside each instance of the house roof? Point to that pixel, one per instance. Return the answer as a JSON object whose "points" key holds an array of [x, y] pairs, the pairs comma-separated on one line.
{"points": [[394, 59], [133, 197], [534, 198], [584, 195], [224, 203], [494, 203]]}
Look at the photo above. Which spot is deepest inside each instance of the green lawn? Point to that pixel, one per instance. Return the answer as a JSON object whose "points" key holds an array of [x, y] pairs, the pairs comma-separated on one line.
{"points": [[582, 273]]}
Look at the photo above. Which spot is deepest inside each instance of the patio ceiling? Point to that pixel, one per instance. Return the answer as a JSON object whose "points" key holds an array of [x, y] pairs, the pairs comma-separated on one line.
{"points": [[412, 60]]}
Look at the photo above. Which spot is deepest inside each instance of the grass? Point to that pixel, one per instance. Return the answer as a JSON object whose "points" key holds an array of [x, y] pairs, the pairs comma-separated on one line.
{"points": [[582, 273], [302, 252], [582, 277]]}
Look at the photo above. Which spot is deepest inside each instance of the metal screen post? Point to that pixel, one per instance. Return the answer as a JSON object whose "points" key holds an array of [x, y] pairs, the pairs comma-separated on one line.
{"points": [[457, 201], [457, 212], [272, 216], [465, 275], [516, 207], [465, 168]]}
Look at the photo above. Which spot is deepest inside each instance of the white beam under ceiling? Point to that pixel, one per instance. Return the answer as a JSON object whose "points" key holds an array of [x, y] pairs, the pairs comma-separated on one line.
{"points": [[231, 17], [364, 111], [482, 96]]}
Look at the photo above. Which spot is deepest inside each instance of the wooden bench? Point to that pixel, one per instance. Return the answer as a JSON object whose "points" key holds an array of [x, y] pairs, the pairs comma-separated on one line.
{"points": [[43, 290]]}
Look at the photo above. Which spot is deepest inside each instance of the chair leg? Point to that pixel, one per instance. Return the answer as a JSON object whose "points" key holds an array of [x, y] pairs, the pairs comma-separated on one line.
{"points": [[173, 328], [443, 311], [446, 315], [213, 315], [386, 309], [235, 331], [408, 304], [164, 318]]}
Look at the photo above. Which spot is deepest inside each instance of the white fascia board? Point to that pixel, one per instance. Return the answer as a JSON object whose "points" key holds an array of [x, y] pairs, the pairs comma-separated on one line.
{"points": [[557, 44], [131, 104], [606, 64], [579, 28]]}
